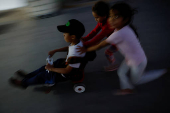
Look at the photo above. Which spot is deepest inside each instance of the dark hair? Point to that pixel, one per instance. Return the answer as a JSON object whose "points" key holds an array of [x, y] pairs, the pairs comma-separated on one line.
{"points": [[125, 11], [101, 8]]}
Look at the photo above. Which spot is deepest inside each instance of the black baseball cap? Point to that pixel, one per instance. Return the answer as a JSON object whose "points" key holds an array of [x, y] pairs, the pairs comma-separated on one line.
{"points": [[74, 27]]}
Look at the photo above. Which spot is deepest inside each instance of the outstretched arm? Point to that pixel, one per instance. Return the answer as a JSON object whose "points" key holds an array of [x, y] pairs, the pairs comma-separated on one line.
{"points": [[92, 33], [98, 46], [93, 48], [96, 39]]}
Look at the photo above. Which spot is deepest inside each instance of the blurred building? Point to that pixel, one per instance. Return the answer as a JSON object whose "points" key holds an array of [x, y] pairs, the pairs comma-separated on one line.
{"points": [[20, 11]]}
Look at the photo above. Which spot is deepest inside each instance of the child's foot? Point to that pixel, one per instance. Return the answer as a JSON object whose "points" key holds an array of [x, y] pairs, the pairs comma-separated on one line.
{"points": [[124, 92], [111, 67], [16, 83], [21, 73]]}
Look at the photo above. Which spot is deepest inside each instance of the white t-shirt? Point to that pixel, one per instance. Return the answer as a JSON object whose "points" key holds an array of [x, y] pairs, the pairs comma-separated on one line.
{"points": [[128, 44], [72, 51]]}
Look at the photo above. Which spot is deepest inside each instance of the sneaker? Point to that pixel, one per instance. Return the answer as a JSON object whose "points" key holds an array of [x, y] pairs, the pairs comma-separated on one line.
{"points": [[16, 83], [111, 67]]}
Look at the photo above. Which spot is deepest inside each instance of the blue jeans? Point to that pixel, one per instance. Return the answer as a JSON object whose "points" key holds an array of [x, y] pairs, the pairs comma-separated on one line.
{"points": [[41, 76]]}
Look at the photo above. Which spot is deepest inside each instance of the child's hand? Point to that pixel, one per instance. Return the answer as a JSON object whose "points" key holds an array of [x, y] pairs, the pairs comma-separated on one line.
{"points": [[81, 49], [49, 67], [51, 53]]}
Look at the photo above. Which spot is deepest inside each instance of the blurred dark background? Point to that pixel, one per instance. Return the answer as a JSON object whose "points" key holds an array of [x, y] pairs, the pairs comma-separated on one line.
{"points": [[28, 31]]}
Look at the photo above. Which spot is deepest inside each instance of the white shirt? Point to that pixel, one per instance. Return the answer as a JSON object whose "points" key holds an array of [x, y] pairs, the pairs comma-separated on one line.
{"points": [[128, 44], [72, 51]]}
